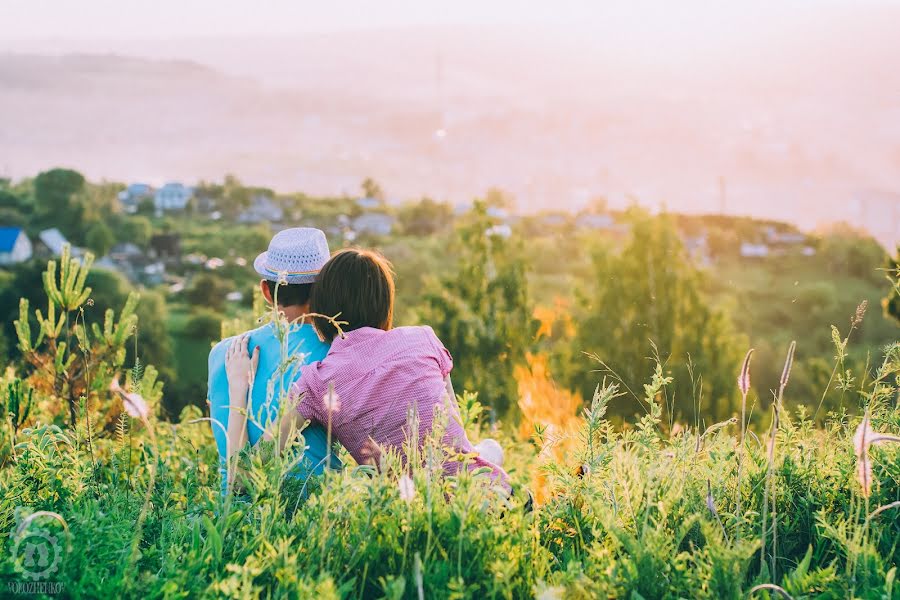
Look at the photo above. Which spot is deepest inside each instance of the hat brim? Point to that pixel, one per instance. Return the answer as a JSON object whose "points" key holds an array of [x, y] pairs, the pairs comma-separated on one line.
{"points": [[260, 265]]}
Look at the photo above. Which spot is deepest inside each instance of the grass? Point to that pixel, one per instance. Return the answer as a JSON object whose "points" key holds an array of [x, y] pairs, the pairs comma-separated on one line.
{"points": [[625, 513]]}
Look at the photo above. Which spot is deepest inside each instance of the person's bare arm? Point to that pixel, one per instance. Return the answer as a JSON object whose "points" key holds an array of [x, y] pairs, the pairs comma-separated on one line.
{"points": [[288, 426], [240, 369]]}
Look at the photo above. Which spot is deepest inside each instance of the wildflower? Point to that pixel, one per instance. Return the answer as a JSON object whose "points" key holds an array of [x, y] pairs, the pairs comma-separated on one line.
{"points": [[788, 363], [90, 302], [134, 403], [860, 313], [744, 378], [710, 502], [866, 436], [331, 400], [407, 488], [491, 451]]}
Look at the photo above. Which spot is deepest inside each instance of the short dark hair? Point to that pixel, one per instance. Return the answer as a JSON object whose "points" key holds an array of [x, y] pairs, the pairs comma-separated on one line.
{"points": [[357, 284], [290, 294]]}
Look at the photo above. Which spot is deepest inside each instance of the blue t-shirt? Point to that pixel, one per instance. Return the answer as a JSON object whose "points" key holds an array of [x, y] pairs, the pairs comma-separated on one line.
{"points": [[269, 387]]}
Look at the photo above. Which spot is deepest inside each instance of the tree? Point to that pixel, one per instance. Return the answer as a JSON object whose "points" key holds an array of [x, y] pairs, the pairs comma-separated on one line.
{"points": [[207, 291], [425, 217], [371, 189], [497, 198], [53, 189], [481, 311], [10, 200], [647, 301], [204, 325], [136, 229], [851, 252], [146, 207], [99, 238]]}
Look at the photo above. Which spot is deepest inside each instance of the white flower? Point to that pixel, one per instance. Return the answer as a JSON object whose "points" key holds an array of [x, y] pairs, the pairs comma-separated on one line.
{"points": [[865, 437], [134, 403], [491, 451], [407, 488], [331, 400]]}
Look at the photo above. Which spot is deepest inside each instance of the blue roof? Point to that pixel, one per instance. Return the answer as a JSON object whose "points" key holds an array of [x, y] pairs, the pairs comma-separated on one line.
{"points": [[8, 237]]}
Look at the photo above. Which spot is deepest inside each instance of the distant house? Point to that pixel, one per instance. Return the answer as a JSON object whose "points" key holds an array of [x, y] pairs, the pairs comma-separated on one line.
{"points": [[131, 197], [697, 247], [374, 224], [262, 208], [594, 221], [125, 251], [368, 203], [172, 196], [166, 246], [206, 204], [15, 247], [785, 238], [502, 230], [52, 240], [497, 212], [749, 250], [554, 220], [462, 208]]}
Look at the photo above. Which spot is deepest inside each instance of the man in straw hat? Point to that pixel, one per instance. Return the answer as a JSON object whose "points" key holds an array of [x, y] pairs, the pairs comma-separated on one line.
{"points": [[288, 269]]}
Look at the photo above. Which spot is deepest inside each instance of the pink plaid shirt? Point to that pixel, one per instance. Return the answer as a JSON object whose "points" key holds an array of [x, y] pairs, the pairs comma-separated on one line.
{"points": [[378, 376]]}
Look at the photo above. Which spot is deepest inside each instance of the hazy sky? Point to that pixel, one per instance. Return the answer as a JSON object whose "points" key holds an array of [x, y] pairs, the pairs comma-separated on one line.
{"points": [[98, 19]]}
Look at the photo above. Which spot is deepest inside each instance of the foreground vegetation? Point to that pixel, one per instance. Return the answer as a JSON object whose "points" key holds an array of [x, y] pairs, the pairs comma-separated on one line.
{"points": [[654, 509]]}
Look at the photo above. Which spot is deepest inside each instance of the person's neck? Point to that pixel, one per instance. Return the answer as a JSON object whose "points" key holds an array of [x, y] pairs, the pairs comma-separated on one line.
{"points": [[293, 313]]}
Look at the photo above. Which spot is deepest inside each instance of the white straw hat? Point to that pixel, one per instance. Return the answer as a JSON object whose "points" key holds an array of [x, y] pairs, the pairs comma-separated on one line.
{"points": [[295, 255]]}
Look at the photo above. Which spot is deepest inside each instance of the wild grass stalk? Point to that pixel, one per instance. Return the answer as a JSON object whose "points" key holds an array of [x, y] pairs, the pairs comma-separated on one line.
{"points": [[744, 387], [769, 488]]}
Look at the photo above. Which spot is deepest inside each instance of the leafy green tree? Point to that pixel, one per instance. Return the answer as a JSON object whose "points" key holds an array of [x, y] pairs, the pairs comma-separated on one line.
{"points": [[204, 324], [99, 238], [371, 189], [136, 229], [645, 301], [207, 291], [852, 253], [10, 200], [54, 195], [481, 311], [425, 217], [146, 207], [497, 198], [11, 217]]}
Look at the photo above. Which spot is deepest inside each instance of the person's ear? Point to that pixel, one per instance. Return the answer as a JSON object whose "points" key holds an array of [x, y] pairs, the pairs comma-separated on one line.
{"points": [[264, 286]]}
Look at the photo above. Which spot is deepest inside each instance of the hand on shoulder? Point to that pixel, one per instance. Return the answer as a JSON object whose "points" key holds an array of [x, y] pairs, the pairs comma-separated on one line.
{"points": [[240, 364]]}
